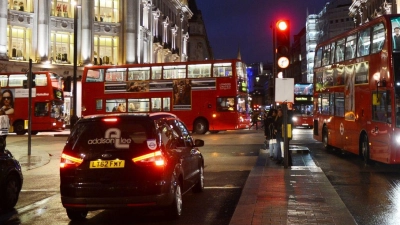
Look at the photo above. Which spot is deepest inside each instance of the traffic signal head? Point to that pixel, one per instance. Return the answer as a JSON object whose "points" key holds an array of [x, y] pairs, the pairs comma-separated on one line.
{"points": [[282, 43], [67, 84]]}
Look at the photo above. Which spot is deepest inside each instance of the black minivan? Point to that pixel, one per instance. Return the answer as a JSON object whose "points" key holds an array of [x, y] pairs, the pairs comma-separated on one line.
{"points": [[129, 160]]}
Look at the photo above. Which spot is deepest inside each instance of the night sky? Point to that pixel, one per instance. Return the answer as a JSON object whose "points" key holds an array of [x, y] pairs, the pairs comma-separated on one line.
{"points": [[234, 24]]}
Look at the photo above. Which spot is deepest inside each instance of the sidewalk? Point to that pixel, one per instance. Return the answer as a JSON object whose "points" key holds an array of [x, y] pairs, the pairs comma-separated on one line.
{"points": [[300, 194], [37, 158]]}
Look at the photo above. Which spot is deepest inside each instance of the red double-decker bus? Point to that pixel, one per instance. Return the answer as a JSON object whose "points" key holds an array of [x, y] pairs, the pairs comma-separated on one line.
{"points": [[357, 91], [303, 106], [47, 101], [207, 95]]}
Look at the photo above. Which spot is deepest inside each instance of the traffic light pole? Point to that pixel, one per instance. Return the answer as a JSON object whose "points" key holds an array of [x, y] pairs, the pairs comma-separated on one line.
{"points": [[274, 70]]}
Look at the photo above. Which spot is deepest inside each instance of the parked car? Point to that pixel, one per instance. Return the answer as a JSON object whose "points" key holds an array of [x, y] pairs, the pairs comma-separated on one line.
{"points": [[11, 178], [127, 161]]}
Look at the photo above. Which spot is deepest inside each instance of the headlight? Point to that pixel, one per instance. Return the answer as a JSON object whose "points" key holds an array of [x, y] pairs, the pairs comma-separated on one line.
{"points": [[294, 119]]}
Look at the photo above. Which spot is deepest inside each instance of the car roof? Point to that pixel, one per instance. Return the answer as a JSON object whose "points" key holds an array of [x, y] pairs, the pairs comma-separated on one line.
{"points": [[156, 115]]}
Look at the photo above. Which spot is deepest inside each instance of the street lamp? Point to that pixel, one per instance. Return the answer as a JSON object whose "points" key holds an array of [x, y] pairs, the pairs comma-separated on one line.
{"points": [[74, 116]]}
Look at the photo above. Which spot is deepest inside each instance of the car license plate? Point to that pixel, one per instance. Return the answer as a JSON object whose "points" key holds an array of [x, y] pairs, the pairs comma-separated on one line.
{"points": [[102, 164]]}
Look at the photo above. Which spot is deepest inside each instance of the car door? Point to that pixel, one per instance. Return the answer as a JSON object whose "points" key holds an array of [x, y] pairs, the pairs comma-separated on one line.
{"points": [[184, 149]]}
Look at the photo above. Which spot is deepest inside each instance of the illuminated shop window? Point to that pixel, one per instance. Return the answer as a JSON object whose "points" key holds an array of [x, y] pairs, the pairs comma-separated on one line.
{"points": [[19, 5], [62, 48], [19, 45], [106, 49], [106, 11], [62, 8]]}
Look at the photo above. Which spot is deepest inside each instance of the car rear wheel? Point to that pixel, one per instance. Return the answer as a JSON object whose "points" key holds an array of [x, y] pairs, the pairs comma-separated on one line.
{"points": [[174, 211], [10, 192], [76, 215], [199, 186]]}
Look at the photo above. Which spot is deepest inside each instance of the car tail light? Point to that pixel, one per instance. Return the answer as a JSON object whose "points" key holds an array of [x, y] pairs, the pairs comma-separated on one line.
{"points": [[68, 161], [110, 120], [155, 158]]}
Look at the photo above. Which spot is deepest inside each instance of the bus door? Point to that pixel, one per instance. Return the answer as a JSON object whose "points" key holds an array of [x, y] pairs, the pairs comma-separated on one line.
{"points": [[379, 129], [226, 114]]}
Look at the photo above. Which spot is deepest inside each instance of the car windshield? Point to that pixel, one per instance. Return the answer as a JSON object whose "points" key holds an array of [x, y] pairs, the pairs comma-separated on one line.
{"points": [[116, 135]]}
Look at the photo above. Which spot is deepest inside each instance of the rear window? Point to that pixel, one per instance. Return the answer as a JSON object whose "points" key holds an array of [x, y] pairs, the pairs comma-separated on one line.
{"points": [[124, 134]]}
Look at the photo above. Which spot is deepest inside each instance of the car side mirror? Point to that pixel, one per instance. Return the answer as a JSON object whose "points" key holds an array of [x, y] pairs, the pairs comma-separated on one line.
{"points": [[198, 143]]}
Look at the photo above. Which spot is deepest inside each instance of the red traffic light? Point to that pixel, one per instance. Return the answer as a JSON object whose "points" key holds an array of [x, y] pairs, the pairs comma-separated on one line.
{"points": [[282, 25]]}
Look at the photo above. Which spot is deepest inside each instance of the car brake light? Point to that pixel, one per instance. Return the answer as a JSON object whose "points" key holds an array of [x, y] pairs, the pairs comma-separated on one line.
{"points": [[110, 120], [154, 157], [69, 161]]}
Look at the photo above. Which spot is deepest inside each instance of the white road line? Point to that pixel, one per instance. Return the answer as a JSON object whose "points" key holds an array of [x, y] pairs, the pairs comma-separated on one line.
{"points": [[40, 190]]}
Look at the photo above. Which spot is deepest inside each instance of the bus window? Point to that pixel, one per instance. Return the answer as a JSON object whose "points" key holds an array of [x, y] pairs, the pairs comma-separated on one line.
{"points": [[139, 73], [339, 54], [199, 71], [3, 80], [95, 75], [99, 104], [318, 58], [222, 70], [16, 80], [139, 104], [117, 74], [156, 72], [339, 104], [166, 104], [333, 47], [326, 55], [156, 104], [241, 70], [378, 38], [351, 47], [41, 80], [41, 109], [225, 104], [174, 72], [325, 104], [115, 105], [364, 42], [381, 109]]}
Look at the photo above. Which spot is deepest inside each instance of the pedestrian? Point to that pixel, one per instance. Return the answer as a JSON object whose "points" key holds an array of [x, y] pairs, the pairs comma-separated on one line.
{"points": [[269, 131], [279, 138], [254, 120]]}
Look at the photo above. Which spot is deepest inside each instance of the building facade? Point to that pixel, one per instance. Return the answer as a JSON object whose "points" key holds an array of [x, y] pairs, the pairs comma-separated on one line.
{"points": [[109, 32]]}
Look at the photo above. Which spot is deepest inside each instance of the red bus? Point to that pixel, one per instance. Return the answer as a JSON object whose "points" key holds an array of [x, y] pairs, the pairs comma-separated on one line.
{"points": [[303, 106], [47, 102], [357, 91], [207, 95]]}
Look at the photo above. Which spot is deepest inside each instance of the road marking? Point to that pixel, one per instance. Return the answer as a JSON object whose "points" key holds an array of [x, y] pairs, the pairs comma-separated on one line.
{"points": [[34, 205], [40, 190]]}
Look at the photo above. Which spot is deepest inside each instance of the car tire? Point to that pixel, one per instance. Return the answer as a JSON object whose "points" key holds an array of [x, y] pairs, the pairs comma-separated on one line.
{"points": [[76, 215], [10, 193], [199, 186], [174, 211]]}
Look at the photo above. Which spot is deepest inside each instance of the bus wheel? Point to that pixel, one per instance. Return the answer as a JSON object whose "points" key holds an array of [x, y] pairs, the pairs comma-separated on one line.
{"points": [[19, 128], [200, 126], [325, 138], [364, 145]]}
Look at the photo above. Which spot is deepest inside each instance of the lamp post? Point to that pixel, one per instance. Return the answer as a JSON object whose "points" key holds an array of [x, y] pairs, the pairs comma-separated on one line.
{"points": [[74, 116]]}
